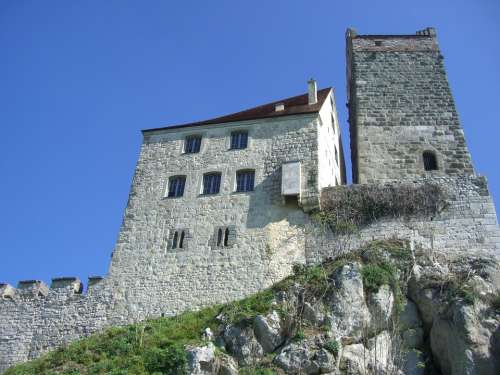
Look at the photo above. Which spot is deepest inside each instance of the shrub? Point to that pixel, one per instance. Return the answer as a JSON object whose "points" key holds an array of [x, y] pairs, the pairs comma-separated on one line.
{"points": [[347, 207], [332, 346], [375, 275]]}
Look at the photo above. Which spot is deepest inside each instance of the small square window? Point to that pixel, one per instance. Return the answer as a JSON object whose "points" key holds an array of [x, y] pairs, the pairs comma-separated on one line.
{"points": [[176, 186], [378, 43], [192, 144], [211, 183], [239, 140], [245, 180]]}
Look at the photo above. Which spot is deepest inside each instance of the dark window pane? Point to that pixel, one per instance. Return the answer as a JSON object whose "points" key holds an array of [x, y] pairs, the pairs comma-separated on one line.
{"points": [[219, 237], [174, 241], [181, 241], [176, 186], [245, 180], [192, 145], [211, 183], [226, 237], [239, 140], [430, 162]]}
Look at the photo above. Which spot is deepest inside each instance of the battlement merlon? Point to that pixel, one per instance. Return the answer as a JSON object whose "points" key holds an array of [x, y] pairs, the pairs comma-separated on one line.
{"points": [[72, 283], [422, 41]]}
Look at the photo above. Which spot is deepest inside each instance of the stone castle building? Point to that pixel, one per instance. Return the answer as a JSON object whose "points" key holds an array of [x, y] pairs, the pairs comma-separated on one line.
{"points": [[220, 209]]}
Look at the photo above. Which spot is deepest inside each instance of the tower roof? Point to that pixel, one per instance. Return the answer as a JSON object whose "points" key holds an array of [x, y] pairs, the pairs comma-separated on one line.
{"points": [[295, 105]]}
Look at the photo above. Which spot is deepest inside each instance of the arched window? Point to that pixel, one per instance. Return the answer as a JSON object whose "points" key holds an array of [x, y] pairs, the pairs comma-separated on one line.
{"points": [[430, 161], [174, 241], [226, 237], [219, 237], [181, 241]]}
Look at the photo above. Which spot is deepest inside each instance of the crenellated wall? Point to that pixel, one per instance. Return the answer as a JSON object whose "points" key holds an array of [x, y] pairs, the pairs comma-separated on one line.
{"points": [[35, 318]]}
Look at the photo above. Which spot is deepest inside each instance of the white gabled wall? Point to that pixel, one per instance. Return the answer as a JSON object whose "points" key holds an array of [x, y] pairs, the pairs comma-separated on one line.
{"points": [[329, 167]]}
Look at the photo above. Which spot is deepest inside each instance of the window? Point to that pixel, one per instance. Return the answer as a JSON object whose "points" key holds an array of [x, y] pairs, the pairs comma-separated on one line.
{"points": [[192, 144], [211, 183], [176, 186], [336, 155], [224, 237], [333, 124], [178, 240], [239, 140], [378, 43], [430, 161], [245, 180]]}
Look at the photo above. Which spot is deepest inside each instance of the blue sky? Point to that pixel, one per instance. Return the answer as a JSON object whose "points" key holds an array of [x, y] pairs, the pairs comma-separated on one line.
{"points": [[79, 79]]}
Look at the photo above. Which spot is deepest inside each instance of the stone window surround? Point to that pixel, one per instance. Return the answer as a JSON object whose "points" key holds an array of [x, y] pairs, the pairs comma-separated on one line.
{"points": [[235, 129], [420, 160], [231, 238], [187, 237], [202, 135], [235, 180], [167, 186], [202, 187]]}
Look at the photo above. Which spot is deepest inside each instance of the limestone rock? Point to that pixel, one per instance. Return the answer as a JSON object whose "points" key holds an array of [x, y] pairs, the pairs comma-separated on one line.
{"points": [[312, 314], [376, 357], [241, 343], [348, 312], [201, 360], [465, 340], [297, 358], [325, 361], [381, 305], [268, 331], [227, 365]]}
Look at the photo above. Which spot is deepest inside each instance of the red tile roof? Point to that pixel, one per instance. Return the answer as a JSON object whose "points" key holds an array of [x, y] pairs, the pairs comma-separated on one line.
{"points": [[296, 105]]}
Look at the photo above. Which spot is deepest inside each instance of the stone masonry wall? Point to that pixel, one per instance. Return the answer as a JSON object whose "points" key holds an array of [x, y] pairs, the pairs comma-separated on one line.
{"points": [[400, 105], [151, 279], [467, 226]]}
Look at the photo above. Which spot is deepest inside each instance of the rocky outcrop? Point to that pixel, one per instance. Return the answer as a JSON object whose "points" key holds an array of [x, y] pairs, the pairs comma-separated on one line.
{"points": [[430, 316]]}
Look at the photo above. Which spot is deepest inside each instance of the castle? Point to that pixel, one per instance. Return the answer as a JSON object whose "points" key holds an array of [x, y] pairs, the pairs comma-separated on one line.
{"points": [[220, 209]]}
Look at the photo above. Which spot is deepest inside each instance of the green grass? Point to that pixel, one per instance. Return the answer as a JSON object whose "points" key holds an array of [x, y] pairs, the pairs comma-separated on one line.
{"points": [[153, 347]]}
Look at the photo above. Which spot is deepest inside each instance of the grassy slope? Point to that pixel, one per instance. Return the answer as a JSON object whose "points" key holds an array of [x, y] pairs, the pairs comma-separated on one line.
{"points": [[156, 346]]}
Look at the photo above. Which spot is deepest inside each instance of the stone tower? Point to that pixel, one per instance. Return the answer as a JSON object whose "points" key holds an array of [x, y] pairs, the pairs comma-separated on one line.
{"points": [[403, 121]]}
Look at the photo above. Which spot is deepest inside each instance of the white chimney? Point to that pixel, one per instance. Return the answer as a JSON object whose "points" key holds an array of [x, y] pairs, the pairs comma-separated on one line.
{"points": [[313, 91], [279, 107]]}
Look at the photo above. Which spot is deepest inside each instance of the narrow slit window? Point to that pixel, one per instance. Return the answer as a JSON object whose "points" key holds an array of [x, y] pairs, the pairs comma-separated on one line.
{"points": [[175, 239], [211, 183], [336, 155], [239, 140], [176, 186], [192, 144], [245, 180], [181, 241], [219, 237], [226, 237], [430, 161]]}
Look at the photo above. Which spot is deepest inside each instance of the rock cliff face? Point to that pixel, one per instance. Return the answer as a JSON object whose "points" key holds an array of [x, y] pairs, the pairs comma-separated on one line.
{"points": [[384, 310]]}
